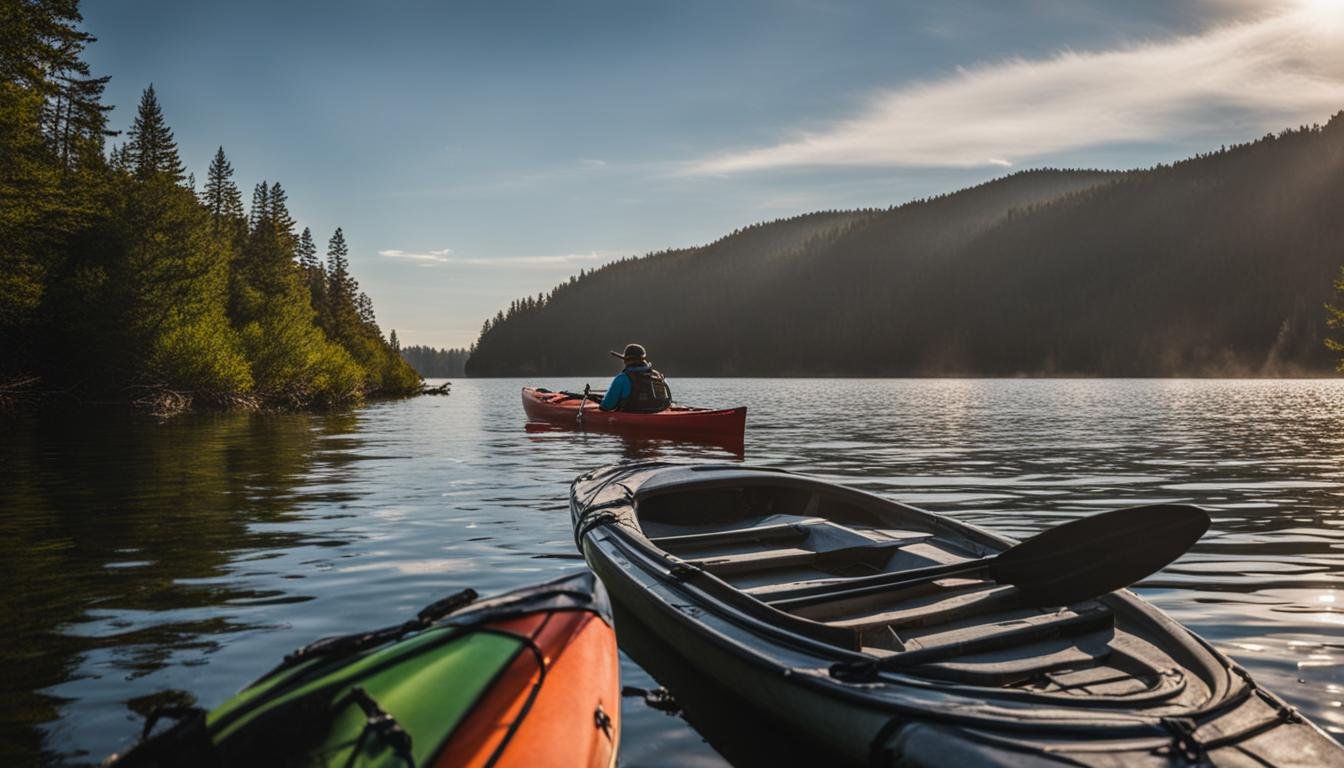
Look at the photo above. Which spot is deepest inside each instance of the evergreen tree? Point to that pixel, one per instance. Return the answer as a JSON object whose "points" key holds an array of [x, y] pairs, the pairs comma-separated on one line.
{"points": [[152, 147], [119, 159], [342, 315], [277, 207], [364, 309], [315, 277], [52, 128], [259, 211], [435, 363], [220, 195], [307, 251], [392, 341], [1334, 320]]}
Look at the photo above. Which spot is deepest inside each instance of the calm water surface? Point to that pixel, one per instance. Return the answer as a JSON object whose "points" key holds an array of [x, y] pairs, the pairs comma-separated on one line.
{"points": [[145, 560]]}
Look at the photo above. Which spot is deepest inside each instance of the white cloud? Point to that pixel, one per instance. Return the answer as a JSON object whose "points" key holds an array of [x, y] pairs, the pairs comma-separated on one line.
{"points": [[1274, 71], [442, 256], [446, 256]]}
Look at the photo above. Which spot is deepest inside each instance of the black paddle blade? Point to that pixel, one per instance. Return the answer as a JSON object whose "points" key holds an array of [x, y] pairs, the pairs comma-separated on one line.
{"points": [[1087, 558]]}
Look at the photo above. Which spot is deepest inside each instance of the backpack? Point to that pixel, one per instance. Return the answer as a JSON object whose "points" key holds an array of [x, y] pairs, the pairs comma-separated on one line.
{"points": [[649, 392]]}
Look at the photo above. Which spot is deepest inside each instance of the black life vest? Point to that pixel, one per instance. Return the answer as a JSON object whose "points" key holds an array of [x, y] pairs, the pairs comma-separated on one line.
{"points": [[649, 392]]}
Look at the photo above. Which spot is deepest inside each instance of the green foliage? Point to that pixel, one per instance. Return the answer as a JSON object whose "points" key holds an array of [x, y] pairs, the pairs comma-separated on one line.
{"points": [[152, 148], [51, 132], [115, 277], [204, 355], [221, 196], [293, 362], [1334, 320]]}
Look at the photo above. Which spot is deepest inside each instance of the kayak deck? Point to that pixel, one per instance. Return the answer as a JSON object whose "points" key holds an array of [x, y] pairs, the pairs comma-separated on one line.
{"points": [[787, 574], [503, 681]]}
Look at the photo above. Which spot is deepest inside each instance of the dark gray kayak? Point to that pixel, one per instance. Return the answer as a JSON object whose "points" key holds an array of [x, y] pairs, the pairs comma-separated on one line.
{"points": [[793, 592]]}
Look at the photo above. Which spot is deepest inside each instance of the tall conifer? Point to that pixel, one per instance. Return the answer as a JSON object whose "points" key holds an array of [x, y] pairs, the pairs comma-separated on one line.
{"points": [[220, 195], [152, 147], [282, 223], [260, 211], [307, 252]]}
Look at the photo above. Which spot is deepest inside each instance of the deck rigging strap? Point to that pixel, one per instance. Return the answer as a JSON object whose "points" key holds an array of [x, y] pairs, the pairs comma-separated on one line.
{"points": [[597, 516], [1183, 741], [345, 644], [380, 723]]}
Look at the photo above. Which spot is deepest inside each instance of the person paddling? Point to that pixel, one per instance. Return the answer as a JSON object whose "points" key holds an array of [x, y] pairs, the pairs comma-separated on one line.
{"points": [[638, 388]]}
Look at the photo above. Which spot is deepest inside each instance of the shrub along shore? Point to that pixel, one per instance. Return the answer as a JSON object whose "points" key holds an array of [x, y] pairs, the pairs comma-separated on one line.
{"points": [[120, 282]]}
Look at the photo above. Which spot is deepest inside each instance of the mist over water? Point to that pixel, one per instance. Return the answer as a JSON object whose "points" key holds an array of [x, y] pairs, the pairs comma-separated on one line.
{"points": [[146, 561]]}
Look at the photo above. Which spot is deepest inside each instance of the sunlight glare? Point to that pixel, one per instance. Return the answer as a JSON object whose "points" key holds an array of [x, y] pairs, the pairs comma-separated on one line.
{"points": [[1322, 11]]}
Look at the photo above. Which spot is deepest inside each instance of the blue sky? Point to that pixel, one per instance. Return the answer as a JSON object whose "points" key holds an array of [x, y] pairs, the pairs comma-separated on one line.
{"points": [[477, 152]]}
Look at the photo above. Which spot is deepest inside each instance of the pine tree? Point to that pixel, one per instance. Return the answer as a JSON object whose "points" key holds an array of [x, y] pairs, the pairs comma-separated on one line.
{"points": [[220, 195], [392, 341], [152, 147], [119, 158], [340, 286], [74, 119], [315, 277], [307, 251], [282, 223], [364, 308], [260, 210]]}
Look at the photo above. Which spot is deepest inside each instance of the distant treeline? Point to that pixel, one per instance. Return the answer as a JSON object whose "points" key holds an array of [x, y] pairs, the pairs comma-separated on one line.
{"points": [[1216, 265], [436, 363], [118, 280]]}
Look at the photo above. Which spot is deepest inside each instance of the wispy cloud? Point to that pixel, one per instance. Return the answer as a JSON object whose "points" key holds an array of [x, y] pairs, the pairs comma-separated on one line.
{"points": [[1275, 70], [444, 256], [447, 256]]}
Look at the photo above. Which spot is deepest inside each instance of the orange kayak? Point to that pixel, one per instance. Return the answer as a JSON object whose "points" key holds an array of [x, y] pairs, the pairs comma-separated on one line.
{"points": [[527, 678], [562, 408]]}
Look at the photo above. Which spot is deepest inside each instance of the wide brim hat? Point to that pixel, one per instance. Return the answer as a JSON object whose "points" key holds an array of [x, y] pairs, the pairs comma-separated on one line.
{"points": [[632, 352]]}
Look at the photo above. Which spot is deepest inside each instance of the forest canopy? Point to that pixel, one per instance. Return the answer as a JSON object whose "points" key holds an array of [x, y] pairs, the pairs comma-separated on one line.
{"points": [[118, 280], [435, 363]]}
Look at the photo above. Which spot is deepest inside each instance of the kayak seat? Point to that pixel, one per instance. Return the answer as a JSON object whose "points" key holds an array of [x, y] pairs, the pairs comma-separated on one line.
{"points": [[981, 638], [873, 554], [766, 534], [1032, 664], [935, 609]]}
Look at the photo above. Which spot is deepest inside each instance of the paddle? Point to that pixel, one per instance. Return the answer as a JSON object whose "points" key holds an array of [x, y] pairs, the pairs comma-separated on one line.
{"points": [[582, 404], [1069, 563]]}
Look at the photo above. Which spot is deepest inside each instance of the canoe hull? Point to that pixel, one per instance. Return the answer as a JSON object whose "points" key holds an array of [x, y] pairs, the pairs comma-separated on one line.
{"points": [[898, 718], [678, 421]]}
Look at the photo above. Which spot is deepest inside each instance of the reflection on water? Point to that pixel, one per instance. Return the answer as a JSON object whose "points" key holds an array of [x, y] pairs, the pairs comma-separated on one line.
{"points": [[147, 559]]}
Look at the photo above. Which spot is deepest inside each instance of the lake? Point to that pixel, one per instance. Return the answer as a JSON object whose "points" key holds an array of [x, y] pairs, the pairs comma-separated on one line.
{"points": [[149, 561]]}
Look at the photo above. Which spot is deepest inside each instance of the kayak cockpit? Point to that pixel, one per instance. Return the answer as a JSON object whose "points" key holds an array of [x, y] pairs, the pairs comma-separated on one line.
{"points": [[830, 560]]}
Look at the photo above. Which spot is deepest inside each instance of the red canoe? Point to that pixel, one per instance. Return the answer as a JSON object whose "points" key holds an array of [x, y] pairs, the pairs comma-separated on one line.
{"points": [[562, 408]]}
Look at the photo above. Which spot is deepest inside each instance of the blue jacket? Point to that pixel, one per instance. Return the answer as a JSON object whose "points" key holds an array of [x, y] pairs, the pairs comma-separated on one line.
{"points": [[620, 387]]}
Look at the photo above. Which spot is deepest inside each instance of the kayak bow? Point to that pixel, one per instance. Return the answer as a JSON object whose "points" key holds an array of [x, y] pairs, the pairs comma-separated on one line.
{"points": [[526, 678]]}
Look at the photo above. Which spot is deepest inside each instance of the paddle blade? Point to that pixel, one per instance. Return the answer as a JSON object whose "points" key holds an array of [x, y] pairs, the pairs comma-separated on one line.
{"points": [[1089, 557]]}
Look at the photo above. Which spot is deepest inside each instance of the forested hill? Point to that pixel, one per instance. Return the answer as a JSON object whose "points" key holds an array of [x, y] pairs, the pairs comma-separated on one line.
{"points": [[696, 306], [1216, 265]]}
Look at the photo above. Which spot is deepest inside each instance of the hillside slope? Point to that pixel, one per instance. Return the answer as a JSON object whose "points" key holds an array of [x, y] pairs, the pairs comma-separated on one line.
{"points": [[1217, 265]]}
